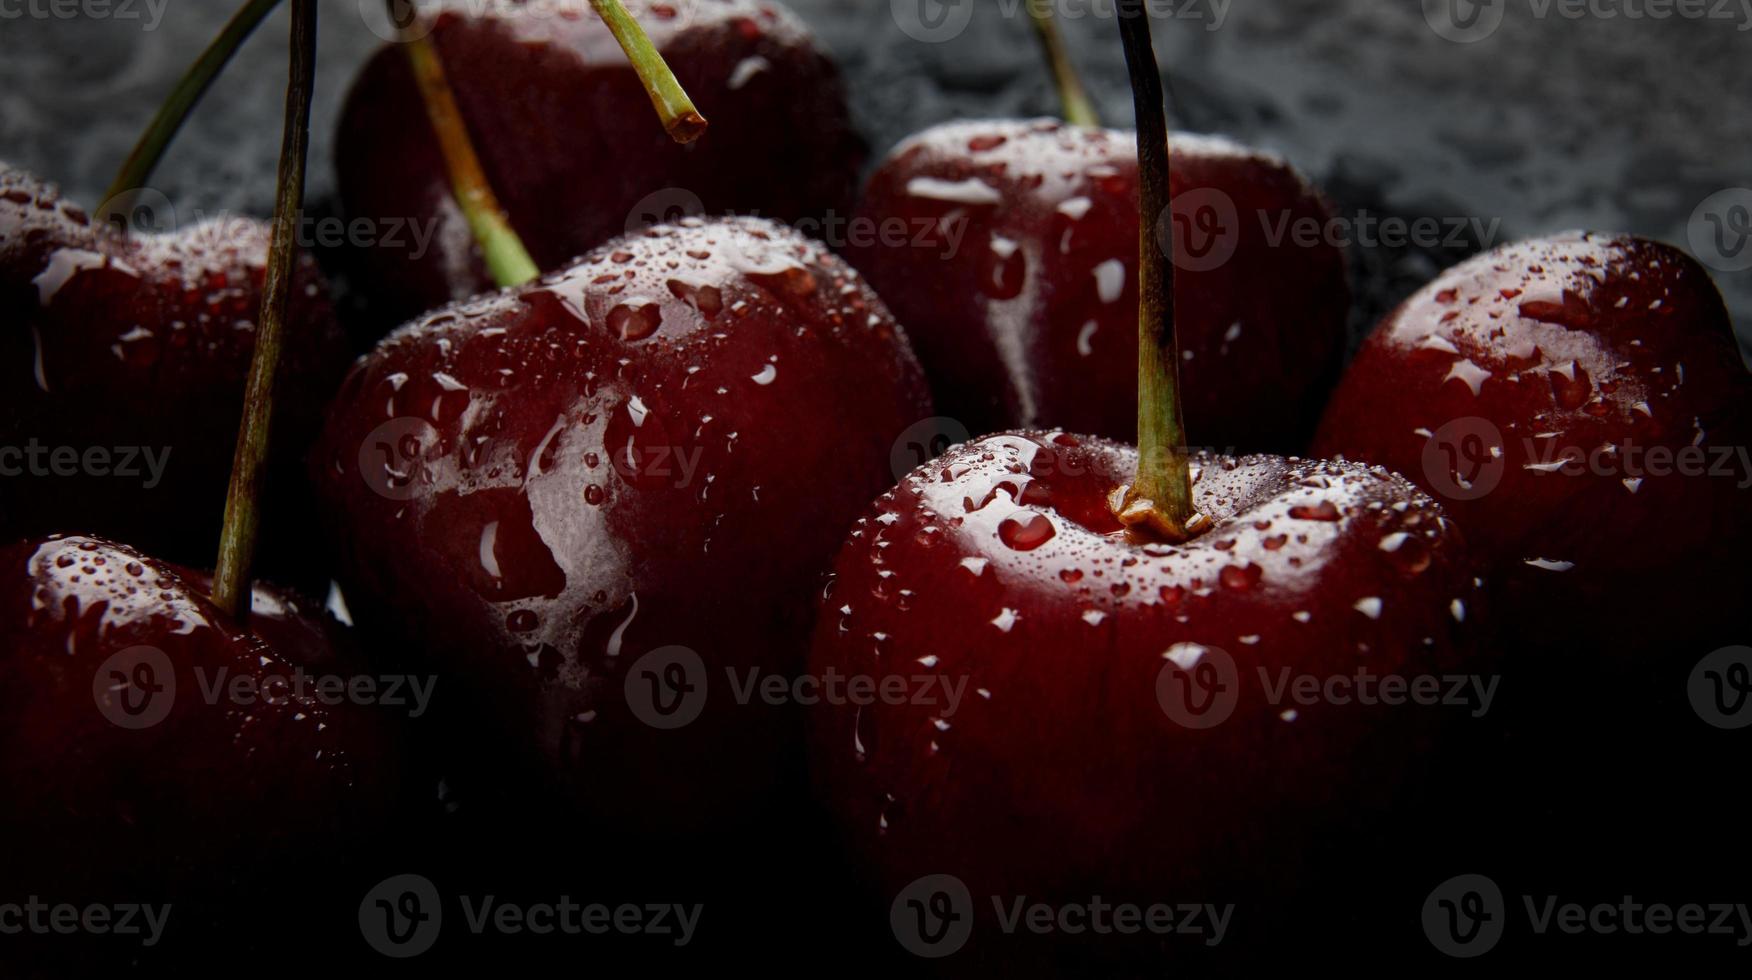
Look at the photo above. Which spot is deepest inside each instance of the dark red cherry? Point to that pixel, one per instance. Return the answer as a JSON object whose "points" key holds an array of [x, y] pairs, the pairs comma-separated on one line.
{"points": [[566, 136], [125, 359], [1116, 734], [1009, 250], [150, 752], [561, 492], [1579, 405]]}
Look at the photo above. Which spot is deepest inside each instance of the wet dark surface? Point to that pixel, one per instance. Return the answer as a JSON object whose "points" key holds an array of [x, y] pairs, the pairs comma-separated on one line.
{"points": [[1623, 124]]}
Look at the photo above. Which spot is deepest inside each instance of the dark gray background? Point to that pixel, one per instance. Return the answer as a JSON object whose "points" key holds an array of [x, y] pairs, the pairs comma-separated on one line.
{"points": [[1552, 122]]}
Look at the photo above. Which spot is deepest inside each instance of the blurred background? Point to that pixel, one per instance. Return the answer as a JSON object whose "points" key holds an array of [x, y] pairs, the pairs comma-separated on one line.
{"points": [[1502, 118]]}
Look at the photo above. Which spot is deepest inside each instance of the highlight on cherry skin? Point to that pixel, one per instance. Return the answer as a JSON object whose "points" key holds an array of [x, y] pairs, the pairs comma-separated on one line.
{"points": [[573, 165], [139, 344], [657, 445], [1549, 393], [1001, 567], [136, 772], [1017, 280]]}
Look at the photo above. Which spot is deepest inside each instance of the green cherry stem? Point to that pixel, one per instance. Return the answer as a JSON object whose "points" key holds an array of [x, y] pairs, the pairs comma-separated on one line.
{"points": [[1159, 500], [137, 169], [237, 539], [680, 119], [507, 260], [1079, 111]]}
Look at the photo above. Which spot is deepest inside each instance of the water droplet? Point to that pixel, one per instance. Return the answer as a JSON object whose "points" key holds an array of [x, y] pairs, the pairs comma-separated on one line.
{"points": [[635, 319], [1026, 530], [1325, 510]]}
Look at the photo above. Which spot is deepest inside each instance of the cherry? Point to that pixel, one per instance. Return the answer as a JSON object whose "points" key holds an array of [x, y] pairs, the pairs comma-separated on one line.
{"points": [[655, 447], [564, 131], [125, 780], [1579, 403], [1009, 251], [137, 346], [1160, 654], [1079, 761], [1549, 392]]}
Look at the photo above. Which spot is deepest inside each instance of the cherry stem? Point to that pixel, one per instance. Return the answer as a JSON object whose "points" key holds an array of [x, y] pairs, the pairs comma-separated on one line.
{"points": [[137, 169], [1079, 111], [680, 119], [507, 260], [1159, 499], [237, 539]]}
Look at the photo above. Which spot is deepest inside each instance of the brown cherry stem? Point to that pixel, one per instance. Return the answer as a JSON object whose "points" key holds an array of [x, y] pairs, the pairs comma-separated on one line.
{"points": [[1159, 499], [237, 539]]}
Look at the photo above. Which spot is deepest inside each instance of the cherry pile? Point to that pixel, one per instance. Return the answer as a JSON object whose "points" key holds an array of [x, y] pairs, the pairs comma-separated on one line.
{"points": [[622, 509]]}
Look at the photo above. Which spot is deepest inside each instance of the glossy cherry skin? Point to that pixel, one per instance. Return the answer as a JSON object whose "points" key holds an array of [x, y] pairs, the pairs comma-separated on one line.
{"points": [[1011, 257], [569, 141], [1613, 581], [658, 445], [1061, 775], [1561, 346], [144, 342], [211, 801]]}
